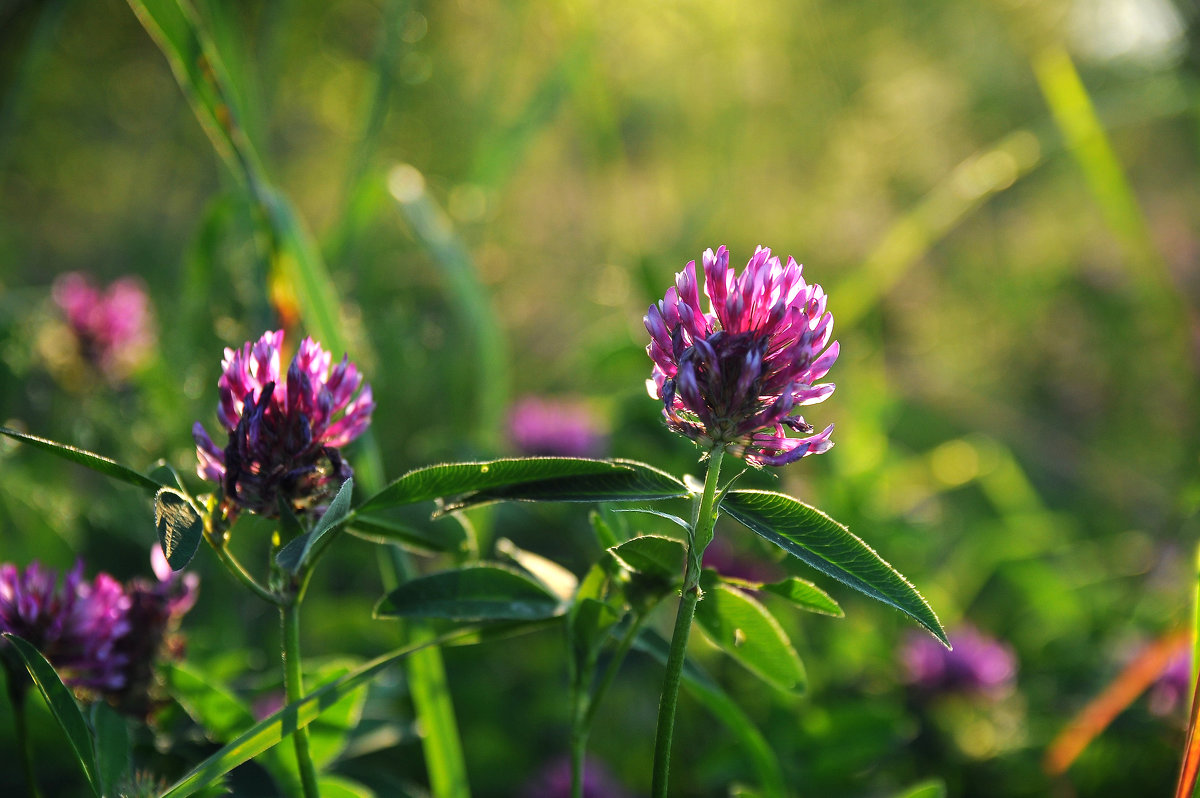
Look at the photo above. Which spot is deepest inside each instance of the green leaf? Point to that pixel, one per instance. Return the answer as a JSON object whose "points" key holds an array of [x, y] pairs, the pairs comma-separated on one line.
{"points": [[435, 538], [605, 534], [746, 631], [831, 548], [266, 734], [554, 576], [652, 555], [208, 703], [112, 746], [930, 788], [62, 705], [588, 624], [298, 553], [328, 734], [563, 479], [179, 527], [702, 688], [472, 593], [110, 468], [333, 786], [806, 595]]}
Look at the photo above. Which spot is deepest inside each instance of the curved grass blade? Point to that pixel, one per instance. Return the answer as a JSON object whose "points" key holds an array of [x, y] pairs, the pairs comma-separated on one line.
{"points": [[815, 538], [268, 733], [62, 705], [473, 593], [564, 479], [110, 468], [702, 688]]}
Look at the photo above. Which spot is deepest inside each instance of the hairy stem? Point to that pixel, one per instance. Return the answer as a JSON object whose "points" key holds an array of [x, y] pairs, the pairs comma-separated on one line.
{"points": [[293, 683], [701, 534]]}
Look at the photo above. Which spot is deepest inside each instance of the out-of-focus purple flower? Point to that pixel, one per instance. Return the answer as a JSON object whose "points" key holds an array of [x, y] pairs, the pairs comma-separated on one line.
{"points": [[101, 637], [76, 625], [112, 326], [733, 376], [554, 781], [284, 434], [978, 664], [722, 557], [155, 609], [1171, 688], [555, 427]]}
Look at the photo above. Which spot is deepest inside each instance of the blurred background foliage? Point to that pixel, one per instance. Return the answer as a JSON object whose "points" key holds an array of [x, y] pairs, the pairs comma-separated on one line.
{"points": [[1000, 198]]}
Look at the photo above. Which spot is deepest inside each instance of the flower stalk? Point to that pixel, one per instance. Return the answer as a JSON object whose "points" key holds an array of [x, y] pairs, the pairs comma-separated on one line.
{"points": [[700, 536], [293, 683]]}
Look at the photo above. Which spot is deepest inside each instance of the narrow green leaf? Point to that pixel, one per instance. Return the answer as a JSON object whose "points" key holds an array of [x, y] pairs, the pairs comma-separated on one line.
{"points": [[702, 688], [436, 538], [298, 553], [604, 533], [529, 479], [333, 786], [62, 705], [746, 631], [831, 548], [473, 593], [805, 594], [179, 527], [266, 734], [110, 468], [652, 555], [112, 747]]}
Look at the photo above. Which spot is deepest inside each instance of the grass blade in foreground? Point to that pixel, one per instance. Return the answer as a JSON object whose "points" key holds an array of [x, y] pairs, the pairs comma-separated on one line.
{"points": [[562, 479], [62, 705], [110, 468], [831, 548], [298, 715]]}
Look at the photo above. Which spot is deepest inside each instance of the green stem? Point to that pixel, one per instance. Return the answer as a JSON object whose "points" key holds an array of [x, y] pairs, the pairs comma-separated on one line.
{"points": [[579, 729], [216, 536], [700, 536], [293, 682], [614, 665]]}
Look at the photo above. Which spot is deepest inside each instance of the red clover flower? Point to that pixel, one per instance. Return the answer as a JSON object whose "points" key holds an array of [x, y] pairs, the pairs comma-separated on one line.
{"points": [[733, 377], [284, 434], [978, 664], [102, 638], [112, 326]]}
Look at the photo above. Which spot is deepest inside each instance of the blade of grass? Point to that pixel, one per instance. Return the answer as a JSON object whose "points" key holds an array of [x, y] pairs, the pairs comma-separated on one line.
{"points": [[433, 229]]}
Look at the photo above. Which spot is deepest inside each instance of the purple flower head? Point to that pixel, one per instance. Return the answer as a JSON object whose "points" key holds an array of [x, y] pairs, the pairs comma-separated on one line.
{"points": [[978, 664], [76, 625], [554, 781], [284, 432], [555, 427], [113, 326], [155, 609], [735, 376]]}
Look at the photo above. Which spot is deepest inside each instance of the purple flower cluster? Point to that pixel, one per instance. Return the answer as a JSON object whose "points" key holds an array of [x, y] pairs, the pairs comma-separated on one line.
{"points": [[1170, 690], [555, 427], [101, 637], [113, 325], [284, 434], [977, 664], [733, 376]]}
